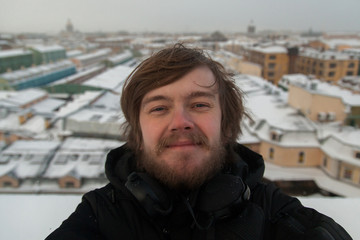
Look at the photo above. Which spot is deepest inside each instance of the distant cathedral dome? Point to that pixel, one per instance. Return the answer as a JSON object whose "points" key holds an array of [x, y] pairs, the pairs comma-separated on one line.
{"points": [[251, 28], [69, 26]]}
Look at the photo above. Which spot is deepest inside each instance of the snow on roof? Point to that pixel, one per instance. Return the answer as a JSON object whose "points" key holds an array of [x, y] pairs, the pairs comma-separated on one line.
{"points": [[324, 88], [97, 115], [77, 75], [274, 172], [247, 137], [277, 113], [326, 55], [85, 156], [342, 145], [120, 57], [26, 158], [47, 48], [333, 43], [73, 53], [109, 101], [26, 96], [267, 105], [269, 49], [354, 51], [48, 106], [36, 71], [111, 79], [78, 103], [98, 53], [30, 129], [14, 52]]}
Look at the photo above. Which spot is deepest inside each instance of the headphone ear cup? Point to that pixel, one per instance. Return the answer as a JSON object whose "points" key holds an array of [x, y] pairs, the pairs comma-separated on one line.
{"points": [[149, 193], [223, 196]]}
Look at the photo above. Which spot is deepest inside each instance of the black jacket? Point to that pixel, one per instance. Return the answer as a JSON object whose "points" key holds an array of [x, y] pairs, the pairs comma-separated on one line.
{"points": [[113, 212]]}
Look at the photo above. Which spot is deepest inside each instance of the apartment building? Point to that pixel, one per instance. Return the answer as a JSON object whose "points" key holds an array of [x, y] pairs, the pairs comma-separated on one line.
{"points": [[91, 59], [328, 66], [341, 156], [322, 102], [36, 76], [288, 138], [274, 61], [26, 114], [77, 163], [15, 59], [43, 54], [22, 163]]}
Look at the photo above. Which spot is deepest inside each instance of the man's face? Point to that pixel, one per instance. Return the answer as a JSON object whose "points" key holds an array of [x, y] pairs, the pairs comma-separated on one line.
{"points": [[181, 130]]}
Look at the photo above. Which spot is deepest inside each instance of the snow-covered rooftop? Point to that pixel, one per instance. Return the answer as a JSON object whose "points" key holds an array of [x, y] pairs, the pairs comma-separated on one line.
{"points": [[36, 71], [24, 97], [83, 156], [98, 53], [120, 57], [269, 49], [112, 79], [47, 48], [324, 88], [78, 103], [326, 55], [274, 172], [26, 158], [14, 52]]}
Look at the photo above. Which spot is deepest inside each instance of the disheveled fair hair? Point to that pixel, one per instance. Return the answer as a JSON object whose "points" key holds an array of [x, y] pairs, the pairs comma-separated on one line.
{"points": [[167, 66]]}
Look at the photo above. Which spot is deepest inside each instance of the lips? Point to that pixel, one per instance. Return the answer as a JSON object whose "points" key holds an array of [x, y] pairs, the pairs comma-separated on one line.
{"points": [[182, 144]]}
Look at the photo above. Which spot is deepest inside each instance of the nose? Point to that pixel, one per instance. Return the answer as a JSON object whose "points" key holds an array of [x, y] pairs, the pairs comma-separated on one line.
{"points": [[181, 121]]}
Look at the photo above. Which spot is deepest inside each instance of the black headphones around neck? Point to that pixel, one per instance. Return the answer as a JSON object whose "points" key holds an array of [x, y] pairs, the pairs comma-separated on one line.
{"points": [[222, 197]]}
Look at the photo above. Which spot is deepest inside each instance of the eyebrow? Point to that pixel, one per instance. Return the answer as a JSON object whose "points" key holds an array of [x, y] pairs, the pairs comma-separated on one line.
{"points": [[210, 95]]}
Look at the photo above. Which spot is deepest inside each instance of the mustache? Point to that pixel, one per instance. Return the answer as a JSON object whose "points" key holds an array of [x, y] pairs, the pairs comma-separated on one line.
{"points": [[197, 138]]}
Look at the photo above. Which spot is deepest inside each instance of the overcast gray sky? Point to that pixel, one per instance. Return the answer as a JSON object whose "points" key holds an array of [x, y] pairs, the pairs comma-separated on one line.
{"points": [[179, 16]]}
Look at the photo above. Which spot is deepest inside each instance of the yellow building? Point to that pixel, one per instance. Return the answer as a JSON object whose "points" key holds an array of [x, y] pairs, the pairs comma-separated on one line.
{"points": [[328, 66], [341, 156], [322, 102], [274, 61]]}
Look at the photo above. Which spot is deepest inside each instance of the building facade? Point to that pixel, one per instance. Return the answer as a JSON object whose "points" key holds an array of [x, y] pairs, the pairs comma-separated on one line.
{"points": [[328, 66], [274, 61], [15, 59]]}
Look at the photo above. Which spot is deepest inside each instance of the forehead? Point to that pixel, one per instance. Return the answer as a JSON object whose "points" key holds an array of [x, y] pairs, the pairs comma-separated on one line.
{"points": [[201, 79]]}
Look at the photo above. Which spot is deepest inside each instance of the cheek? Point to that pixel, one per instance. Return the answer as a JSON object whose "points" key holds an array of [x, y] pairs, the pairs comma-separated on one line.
{"points": [[150, 132]]}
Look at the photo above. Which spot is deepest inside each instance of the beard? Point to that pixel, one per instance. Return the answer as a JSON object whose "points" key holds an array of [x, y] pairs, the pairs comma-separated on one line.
{"points": [[186, 175]]}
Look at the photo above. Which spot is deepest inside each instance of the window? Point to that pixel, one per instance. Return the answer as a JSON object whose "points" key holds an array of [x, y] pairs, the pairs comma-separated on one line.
{"points": [[69, 184], [357, 155], [301, 157], [331, 74], [272, 57], [349, 73], [351, 65], [271, 65], [7, 184], [276, 135], [271, 153], [325, 162], [332, 65], [270, 74], [348, 173]]}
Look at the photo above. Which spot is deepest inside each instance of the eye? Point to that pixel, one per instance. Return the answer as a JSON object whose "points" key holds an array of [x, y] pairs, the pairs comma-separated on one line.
{"points": [[157, 109], [200, 106]]}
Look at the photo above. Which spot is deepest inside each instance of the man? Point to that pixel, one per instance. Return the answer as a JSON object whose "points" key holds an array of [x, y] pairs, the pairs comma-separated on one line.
{"points": [[181, 174]]}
